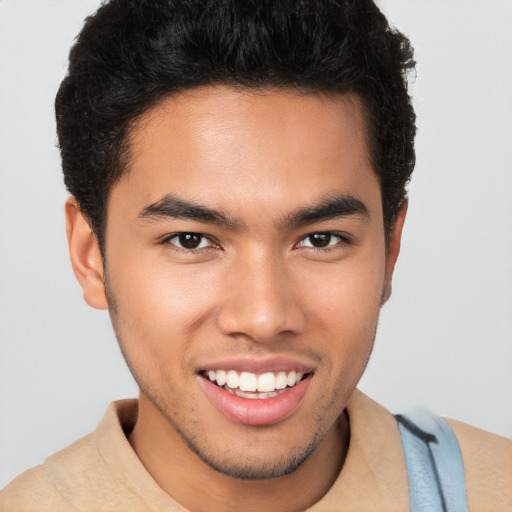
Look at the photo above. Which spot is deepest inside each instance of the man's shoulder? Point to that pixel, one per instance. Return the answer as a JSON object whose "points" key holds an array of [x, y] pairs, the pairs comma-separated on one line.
{"points": [[38, 489], [486, 457], [99, 472], [487, 460], [82, 473]]}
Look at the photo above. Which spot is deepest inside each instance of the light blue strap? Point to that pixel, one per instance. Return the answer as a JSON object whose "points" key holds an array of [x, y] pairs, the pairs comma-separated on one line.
{"points": [[434, 464]]}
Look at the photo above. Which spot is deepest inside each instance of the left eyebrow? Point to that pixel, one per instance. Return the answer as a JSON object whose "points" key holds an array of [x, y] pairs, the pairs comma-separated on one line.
{"points": [[330, 208], [170, 206]]}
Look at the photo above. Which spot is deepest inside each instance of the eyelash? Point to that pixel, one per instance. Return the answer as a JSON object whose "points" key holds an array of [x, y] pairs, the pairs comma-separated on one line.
{"points": [[343, 240], [167, 241]]}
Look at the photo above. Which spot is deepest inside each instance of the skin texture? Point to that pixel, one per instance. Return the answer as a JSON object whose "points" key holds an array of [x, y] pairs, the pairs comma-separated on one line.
{"points": [[255, 290]]}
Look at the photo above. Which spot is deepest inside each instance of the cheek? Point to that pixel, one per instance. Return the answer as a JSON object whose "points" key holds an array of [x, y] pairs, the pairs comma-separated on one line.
{"points": [[343, 305], [161, 304], [158, 289], [347, 293]]}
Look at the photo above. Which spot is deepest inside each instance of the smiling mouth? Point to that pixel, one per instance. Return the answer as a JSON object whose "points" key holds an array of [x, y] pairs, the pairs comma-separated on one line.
{"points": [[253, 386]]}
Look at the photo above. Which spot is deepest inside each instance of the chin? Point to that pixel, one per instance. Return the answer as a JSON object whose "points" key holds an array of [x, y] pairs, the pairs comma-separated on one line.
{"points": [[252, 468]]}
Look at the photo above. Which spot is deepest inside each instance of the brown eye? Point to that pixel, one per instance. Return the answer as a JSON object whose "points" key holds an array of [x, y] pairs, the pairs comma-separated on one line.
{"points": [[320, 239], [189, 241]]}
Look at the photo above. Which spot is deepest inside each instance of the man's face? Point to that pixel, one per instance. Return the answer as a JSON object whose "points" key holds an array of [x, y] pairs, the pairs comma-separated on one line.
{"points": [[246, 243]]}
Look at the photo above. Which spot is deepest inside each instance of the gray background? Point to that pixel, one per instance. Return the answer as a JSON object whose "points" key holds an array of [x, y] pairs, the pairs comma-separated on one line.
{"points": [[445, 336]]}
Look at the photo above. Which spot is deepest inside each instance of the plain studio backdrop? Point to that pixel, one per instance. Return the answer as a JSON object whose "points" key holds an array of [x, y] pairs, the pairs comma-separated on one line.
{"points": [[445, 337]]}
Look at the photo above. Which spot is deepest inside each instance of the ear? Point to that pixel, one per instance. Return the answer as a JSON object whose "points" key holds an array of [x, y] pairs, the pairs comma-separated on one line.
{"points": [[393, 249], [85, 256]]}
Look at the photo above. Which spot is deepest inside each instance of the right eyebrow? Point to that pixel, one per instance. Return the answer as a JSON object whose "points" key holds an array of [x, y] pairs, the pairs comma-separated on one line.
{"points": [[176, 208], [329, 208]]}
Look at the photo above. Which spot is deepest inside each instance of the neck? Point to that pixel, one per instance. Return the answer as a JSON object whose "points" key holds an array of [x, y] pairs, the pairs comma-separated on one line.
{"points": [[195, 485]]}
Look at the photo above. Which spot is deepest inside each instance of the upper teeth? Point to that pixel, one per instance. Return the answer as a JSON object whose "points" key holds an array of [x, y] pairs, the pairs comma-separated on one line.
{"points": [[247, 381]]}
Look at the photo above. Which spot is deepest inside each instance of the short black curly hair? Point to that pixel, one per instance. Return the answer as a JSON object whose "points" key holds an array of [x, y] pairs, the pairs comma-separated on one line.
{"points": [[133, 53]]}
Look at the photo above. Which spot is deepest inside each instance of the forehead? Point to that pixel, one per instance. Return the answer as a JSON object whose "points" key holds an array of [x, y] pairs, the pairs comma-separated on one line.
{"points": [[227, 148], [224, 115]]}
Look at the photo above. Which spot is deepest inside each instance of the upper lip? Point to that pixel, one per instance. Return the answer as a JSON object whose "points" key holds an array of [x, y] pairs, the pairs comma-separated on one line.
{"points": [[259, 365]]}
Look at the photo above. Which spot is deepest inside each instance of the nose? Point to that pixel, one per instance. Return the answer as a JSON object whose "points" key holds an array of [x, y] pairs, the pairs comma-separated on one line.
{"points": [[261, 301]]}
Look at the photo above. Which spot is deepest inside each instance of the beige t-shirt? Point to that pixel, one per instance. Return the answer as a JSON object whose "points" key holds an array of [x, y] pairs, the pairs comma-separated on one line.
{"points": [[101, 472]]}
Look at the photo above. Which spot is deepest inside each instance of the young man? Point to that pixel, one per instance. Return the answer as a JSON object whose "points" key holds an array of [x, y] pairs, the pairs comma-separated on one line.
{"points": [[238, 175]]}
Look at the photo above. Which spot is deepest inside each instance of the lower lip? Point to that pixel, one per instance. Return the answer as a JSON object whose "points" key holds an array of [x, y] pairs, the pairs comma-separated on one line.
{"points": [[256, 412]]}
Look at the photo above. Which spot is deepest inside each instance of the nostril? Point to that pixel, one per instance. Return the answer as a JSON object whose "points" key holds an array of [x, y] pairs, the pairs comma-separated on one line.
{"points": [[260, 327]]}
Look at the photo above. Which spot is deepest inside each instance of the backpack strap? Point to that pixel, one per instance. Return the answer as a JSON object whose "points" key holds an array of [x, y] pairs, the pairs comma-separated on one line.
{"points": [[434, 463]]}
